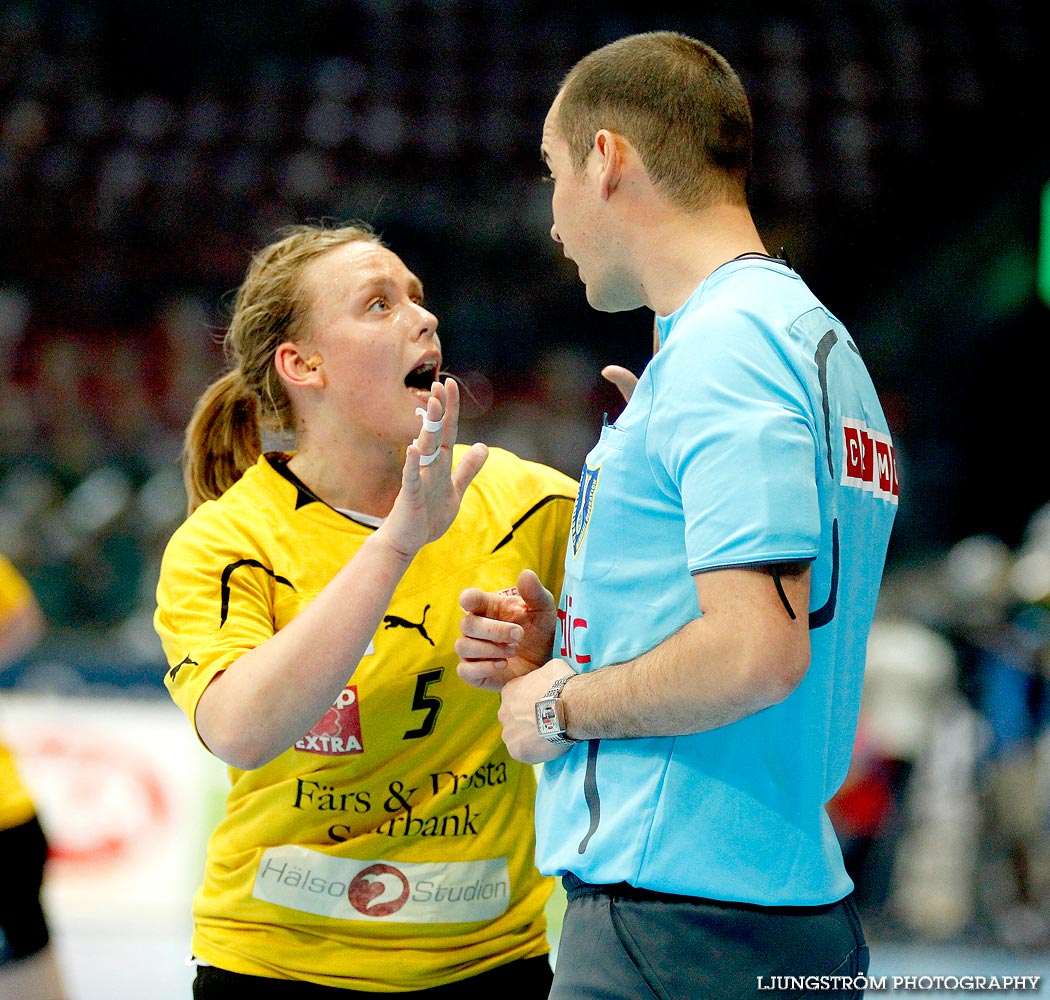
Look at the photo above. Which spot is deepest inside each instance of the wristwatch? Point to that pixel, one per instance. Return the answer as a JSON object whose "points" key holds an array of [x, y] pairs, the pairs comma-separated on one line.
{"points": [[550, 714]]}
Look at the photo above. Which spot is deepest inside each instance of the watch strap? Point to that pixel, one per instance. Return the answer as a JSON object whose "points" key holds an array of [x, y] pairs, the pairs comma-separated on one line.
{"points": [[555, 688]]}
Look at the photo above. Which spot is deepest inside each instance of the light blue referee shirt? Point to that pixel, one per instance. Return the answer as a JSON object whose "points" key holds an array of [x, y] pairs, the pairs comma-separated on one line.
{"points": [[753, 436]]}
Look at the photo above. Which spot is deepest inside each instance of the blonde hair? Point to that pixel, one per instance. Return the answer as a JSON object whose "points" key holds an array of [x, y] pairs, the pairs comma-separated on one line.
{"points": [[224, 436]]}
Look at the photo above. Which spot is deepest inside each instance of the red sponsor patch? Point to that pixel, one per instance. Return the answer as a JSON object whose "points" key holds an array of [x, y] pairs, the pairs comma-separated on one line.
{"points": [[869, 461], [338, 732]]}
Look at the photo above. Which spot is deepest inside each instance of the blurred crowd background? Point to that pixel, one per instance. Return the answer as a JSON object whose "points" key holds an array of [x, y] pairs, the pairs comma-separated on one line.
{"points": [[902, 154]]}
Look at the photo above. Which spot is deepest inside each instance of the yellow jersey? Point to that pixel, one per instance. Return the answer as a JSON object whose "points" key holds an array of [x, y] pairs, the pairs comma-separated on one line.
{"points": [[391, 848], [16, 804]]}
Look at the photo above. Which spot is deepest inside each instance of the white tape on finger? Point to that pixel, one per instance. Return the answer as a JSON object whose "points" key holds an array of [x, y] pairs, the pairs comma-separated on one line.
{"points": [[428, 424], [427, 459]]}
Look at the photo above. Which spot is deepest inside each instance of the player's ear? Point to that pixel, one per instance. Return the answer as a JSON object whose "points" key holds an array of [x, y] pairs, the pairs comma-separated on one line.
{"points": [[298, 365], [610, 150]]}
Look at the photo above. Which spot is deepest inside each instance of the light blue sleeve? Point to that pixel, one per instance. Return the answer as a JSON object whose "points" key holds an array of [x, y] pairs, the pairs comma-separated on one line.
{"points": [[737, 444]]}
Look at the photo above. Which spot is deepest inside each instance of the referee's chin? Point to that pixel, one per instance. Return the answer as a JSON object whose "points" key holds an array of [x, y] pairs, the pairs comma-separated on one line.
{"points": [[610, 297]]}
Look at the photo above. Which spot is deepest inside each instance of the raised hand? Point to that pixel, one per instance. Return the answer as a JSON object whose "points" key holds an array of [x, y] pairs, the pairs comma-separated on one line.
{"points": [[505, 635], [431, 490]]}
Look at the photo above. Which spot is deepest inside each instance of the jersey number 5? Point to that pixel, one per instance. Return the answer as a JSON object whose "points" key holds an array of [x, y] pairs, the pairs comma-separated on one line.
{"points": [[423, 702]]}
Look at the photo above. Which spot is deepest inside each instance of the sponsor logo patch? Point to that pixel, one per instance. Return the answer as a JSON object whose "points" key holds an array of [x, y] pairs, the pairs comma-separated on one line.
{"points": [[390, 892], [870, 462], [338, 732]]}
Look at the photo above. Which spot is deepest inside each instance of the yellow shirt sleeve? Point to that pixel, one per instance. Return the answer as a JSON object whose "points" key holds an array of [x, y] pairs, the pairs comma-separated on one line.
{"points": [[16, 804]]}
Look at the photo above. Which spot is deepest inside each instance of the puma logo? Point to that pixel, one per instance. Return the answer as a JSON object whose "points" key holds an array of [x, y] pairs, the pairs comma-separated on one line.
{"points": [[394, 621], [175, 669]]}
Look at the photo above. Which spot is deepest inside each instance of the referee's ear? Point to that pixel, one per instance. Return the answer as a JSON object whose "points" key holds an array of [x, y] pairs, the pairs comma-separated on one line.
{"points": [[298, 368]]}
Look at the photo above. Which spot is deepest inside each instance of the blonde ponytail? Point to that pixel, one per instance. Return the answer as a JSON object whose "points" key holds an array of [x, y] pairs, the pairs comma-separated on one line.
{"points": [[222, 439]]}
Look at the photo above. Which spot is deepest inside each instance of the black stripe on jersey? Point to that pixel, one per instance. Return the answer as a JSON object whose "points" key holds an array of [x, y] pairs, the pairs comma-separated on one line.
{"points": [[303, 494], [590, 794], [229, 571], [826, 612], [524, 517], [827, 342]]}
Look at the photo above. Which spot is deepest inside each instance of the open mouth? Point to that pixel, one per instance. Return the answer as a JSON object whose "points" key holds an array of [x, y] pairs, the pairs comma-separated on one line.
{"points": [[422, 376]]}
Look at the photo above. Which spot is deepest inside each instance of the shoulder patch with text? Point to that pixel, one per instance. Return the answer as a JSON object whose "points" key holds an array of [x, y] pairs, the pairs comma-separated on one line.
{"points": [[870, 462]]}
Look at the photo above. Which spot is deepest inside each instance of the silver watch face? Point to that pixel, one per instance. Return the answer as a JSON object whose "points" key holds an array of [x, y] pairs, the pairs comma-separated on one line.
{"points": [[547, 721]]}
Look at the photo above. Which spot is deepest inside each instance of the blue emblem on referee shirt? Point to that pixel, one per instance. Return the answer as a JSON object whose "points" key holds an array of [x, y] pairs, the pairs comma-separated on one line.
{"points": [[581, 512]]}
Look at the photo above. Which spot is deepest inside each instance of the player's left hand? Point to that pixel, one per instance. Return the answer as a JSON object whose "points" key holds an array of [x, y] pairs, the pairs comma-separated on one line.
{"points": [[431, 491], [506, 634], [517, 713]]}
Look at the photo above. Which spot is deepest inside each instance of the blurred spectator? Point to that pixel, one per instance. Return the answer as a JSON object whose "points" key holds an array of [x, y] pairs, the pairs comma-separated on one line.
{"points": [[945, 816], [910, 677], [28, 967], [1012, 689]]}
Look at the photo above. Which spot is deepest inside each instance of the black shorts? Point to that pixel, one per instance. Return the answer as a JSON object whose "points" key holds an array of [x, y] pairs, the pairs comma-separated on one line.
{"points": [[23, 929], [622, 943], [529, 978]]}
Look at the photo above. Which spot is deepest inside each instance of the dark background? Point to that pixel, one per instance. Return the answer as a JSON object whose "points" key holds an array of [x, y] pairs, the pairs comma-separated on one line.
{"points": [[147, 149]]}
